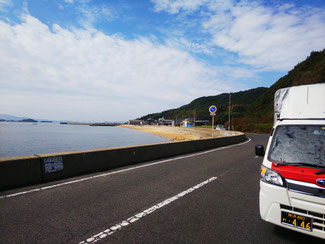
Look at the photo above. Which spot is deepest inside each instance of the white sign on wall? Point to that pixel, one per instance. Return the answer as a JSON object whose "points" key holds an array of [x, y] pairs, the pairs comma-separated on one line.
{"points": [[53, 164]]}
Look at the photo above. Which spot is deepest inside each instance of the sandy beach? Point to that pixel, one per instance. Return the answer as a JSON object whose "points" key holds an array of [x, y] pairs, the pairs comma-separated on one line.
{"points": [[176, 133]]}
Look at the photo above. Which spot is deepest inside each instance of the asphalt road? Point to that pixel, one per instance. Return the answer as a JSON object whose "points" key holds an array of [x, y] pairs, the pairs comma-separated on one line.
{"points": [[210, 197]]}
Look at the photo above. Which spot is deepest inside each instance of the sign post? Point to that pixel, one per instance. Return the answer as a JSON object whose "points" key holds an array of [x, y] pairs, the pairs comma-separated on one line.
{"points": [[213, 110]]}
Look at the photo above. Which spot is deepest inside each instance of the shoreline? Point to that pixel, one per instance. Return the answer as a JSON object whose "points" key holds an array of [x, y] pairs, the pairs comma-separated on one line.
{"points": [[176, 133]]}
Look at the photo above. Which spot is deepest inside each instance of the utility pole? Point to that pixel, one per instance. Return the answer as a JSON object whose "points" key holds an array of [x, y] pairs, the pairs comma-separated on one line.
{"points": [[212, 122], [229, 111], [194, 117]]}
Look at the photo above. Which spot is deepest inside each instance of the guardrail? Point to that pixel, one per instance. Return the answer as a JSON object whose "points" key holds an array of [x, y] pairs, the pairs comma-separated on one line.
{"points": [[28, 170]]}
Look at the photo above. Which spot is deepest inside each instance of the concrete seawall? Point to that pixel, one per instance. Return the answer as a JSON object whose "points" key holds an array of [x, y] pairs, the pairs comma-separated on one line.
{"points": [[23, 171], [20, 171]]}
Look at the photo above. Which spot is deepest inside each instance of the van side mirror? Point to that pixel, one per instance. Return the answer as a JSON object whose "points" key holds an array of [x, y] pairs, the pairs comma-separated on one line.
{"points": [[259, 150]]}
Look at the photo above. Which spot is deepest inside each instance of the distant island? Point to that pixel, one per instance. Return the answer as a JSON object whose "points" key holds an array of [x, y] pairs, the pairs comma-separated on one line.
{"points": [[22, 120], [27, 120], [91, 124], [62, 123]]}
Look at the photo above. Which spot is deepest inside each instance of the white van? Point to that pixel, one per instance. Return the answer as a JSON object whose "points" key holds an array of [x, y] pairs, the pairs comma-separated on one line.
{"points": [[292, 185]]}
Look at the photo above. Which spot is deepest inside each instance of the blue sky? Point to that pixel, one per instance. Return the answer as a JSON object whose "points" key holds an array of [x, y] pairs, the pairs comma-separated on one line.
{"points": [[103, 60]]}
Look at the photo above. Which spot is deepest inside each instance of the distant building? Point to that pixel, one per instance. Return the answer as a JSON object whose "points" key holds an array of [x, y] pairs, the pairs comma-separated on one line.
{"points": [[163, 121], [151, 121], [189, 122], [202, 122], [137, 122]]}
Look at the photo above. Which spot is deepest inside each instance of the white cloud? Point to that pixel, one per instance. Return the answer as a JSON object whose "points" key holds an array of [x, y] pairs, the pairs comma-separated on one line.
{"points": [[173, 7], [191, 46], [265, 37], [95, 12], [272, 40], [90, 14], [4, 4], [60, 73]]}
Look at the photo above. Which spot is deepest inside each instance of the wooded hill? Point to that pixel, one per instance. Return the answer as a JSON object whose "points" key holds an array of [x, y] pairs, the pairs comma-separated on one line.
{"points": [[310, 71], [259, 117], [251, 110], [199, 108]]}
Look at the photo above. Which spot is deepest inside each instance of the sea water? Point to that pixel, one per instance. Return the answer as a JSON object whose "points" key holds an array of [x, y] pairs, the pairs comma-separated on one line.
{"points": [[23, 138]]}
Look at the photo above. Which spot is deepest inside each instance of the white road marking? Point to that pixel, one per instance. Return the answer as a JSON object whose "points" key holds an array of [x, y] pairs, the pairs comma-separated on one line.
{"points": [[122, 170], [21, 193], [140, 215]]}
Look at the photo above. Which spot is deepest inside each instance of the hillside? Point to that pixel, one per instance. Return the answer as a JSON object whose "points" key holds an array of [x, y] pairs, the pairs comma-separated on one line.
{"points": [[310, 71], [198, 108], [252, 110]]}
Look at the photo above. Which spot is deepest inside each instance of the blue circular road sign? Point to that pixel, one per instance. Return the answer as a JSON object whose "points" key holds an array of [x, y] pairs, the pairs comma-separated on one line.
{"points": [[213, 109]]}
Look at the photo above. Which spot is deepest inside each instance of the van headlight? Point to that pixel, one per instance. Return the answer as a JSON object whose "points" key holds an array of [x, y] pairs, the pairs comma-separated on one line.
{"points": [[271, 176]]}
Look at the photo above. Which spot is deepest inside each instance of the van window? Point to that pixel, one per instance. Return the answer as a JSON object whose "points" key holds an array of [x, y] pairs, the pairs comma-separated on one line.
{"points": [[298, 144]]}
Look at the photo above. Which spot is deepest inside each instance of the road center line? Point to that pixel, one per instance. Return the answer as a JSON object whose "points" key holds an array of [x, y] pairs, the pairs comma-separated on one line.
{"points": [[136, 217], [120, 171]]}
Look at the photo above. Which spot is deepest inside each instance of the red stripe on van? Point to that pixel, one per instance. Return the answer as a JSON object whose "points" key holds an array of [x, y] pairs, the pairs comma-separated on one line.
{"points": [[298, 173]]}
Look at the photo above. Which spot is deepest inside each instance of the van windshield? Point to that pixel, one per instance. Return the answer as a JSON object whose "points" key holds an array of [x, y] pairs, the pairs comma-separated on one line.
{"points": [[298, 144]]}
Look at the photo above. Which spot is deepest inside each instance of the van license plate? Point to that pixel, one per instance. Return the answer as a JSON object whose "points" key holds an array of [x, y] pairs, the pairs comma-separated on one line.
{"points": [[295, 220]]}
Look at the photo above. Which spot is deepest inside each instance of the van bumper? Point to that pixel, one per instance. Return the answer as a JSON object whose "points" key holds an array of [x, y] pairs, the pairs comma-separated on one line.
{"points": [[272, 198]]}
